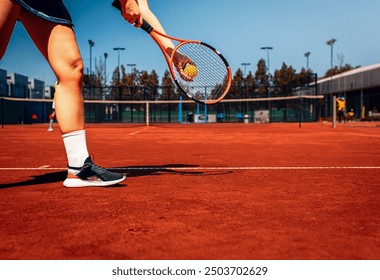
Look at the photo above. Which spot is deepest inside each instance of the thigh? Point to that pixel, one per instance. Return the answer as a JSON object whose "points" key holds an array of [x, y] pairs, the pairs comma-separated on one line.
{"points": [[9, 12], [56, 42]]}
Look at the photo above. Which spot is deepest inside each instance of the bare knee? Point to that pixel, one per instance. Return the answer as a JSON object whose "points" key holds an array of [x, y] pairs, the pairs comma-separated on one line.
{"points": [[77, 69], [70, 71]]}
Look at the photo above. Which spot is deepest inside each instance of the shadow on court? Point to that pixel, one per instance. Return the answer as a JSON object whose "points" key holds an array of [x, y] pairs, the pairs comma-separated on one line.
{"points": [[129, 171], [46, 178], [174, 169]]}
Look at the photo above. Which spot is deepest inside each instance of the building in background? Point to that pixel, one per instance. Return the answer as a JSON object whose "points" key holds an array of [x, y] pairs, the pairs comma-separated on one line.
{"points": [[360, 87], [14, 85], [3, 83]]}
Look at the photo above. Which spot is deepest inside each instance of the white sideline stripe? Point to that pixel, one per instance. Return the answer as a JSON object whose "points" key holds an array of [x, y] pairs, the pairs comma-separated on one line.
{"points": [[206, 168], [138, 131]]}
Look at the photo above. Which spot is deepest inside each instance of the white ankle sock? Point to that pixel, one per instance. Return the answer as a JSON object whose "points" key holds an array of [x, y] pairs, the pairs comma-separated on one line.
{"points": [[76, 147]]}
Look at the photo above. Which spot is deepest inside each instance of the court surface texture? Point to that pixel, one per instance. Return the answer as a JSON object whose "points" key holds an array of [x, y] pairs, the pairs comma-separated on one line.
{"points": [[195, 191]]}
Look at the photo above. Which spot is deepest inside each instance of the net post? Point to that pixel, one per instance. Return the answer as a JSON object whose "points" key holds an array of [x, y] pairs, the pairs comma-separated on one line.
{"points": [[300, 108], [198, 111], [205, 113], [334, 112], [147, 113], [180, 120]]}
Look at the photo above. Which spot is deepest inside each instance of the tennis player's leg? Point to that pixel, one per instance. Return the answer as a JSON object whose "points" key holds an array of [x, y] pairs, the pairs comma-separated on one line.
{"points": [[9, 12], [58, 45]]}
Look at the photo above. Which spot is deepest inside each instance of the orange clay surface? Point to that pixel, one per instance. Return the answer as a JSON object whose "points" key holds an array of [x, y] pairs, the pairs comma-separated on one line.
{"points": [[215, 191]]}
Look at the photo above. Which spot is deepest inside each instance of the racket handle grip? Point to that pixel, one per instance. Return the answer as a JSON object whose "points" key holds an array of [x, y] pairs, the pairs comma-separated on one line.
{"points": [[146, 26]]}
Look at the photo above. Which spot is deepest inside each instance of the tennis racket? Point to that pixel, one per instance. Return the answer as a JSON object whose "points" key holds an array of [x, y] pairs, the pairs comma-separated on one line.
{"points": [[198, 69]]}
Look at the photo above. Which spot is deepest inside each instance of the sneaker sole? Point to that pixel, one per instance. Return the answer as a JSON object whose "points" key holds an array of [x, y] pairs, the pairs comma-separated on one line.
{"points": [[79, 183]]}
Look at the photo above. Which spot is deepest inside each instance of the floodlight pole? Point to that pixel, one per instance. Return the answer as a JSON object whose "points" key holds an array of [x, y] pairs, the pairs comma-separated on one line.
{"points": [[91, 44], [245, 64], [118, 49], [268, 66], [331, 43], [307, 54], [90, 81], [105, 68], [131, 65], [268, 70]]}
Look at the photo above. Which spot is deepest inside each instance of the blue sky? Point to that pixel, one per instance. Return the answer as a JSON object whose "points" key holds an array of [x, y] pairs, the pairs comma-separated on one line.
{"points": [[237, 28]]}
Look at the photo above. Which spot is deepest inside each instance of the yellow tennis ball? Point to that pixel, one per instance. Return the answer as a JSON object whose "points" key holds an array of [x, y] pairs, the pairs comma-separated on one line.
{"points": [[190, 70]]}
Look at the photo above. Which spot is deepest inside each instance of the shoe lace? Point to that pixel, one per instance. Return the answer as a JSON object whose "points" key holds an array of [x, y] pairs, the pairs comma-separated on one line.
{"points": [[91, 166]]}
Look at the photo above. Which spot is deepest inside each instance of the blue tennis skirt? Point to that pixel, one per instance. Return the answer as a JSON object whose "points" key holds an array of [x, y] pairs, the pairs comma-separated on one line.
{"points": [[50, 10]]}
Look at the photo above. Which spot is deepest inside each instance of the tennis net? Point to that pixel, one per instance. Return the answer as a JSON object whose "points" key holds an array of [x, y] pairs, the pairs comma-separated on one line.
{"points": [[298, 108]]}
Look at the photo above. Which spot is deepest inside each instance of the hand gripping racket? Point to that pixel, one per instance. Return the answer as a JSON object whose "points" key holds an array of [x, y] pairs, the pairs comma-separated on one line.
{"points": [[198, 69]]}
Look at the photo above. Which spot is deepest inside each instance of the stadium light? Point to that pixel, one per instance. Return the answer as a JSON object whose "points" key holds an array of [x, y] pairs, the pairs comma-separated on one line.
{"points": [[118, 49], [267, 49], [131, 65], [245, 64], [331, 43], [269, 79], [105, 68], [307, 54], [92, 44]]}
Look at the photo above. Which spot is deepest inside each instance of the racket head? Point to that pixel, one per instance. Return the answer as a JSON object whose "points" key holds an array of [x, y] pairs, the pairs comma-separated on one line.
{"points": [[212, 78]]}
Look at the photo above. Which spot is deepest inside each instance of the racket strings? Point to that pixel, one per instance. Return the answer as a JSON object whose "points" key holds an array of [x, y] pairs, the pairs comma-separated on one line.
{"points": [[211, 81]]}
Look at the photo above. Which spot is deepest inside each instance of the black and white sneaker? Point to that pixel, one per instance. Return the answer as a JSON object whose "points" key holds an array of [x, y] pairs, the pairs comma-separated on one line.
{"points": [[91, 175]]}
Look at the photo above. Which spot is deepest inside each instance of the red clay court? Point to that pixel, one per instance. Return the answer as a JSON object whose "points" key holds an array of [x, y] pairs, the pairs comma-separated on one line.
{"points": [[214, 191]]}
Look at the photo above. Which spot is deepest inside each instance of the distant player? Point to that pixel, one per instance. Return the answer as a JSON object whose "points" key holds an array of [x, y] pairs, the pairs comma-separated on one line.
{"points": [[350, 115], [52, 117], [341, 108]]}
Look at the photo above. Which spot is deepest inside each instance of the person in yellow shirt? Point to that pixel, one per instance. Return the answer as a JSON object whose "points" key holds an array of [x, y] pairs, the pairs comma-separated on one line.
{"points": [[341, 108], [350, 115]]}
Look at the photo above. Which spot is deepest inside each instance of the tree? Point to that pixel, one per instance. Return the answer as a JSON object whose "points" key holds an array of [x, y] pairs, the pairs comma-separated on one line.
{"points": [[152, 84], [340, 59], [237, 85], [261, 77], [117, 85], [305, 77], [167, 86], [284, 79], [337, 70], [148, 83], [285, 76], [340, 68], [99, 73], [250, 82]]}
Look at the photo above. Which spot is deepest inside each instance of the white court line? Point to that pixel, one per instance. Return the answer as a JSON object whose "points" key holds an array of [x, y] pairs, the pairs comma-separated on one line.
{"points": [[206, 168], [138, 131]]}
